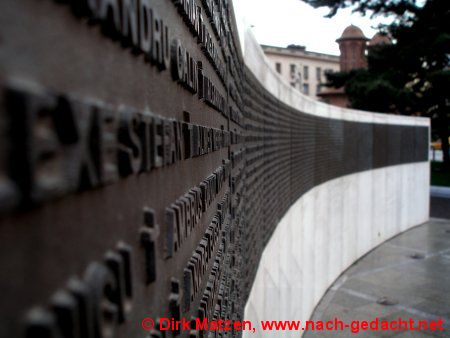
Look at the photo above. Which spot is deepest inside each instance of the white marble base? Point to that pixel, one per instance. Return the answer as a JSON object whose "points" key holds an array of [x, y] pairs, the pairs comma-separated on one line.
{"points": [[325, 231]]}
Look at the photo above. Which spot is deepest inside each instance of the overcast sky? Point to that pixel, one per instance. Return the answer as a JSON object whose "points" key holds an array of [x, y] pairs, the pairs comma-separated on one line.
{"points": [[283, 22]]}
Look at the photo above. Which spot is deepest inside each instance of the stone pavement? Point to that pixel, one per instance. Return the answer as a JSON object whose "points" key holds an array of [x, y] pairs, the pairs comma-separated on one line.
{"points": [[410, 274]]}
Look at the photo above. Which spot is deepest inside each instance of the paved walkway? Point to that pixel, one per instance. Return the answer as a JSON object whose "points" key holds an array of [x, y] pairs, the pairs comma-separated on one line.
{"points": [[406, 277]]}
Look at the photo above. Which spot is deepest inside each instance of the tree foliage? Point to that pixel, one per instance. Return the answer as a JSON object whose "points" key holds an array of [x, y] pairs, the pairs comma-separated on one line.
{"points": [[403, 9], [411, 76]]}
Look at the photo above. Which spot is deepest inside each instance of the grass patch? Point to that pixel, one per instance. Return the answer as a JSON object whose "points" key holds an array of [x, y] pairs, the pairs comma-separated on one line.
{"points": [[439, 177]]}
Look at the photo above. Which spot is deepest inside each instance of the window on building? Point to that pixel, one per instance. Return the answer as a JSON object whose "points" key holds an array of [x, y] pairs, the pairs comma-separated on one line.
{"points": [[306, 88], [318, 88], [278, 67], [305, 72], [293, 69], [319, 74]]}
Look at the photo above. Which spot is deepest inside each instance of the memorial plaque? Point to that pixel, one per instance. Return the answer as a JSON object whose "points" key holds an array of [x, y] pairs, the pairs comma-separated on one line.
{"points": [[143, 168]]}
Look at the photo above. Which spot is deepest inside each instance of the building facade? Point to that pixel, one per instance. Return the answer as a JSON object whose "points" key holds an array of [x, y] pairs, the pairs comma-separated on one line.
{"points": [[354, 46], [304, 70]]}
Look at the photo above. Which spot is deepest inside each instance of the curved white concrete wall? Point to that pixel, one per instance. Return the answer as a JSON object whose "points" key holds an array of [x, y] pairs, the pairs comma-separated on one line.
{"points": [[333, 224]]}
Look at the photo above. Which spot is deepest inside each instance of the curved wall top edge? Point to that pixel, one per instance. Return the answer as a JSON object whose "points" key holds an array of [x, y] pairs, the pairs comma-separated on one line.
{"points": [[257, 62]]}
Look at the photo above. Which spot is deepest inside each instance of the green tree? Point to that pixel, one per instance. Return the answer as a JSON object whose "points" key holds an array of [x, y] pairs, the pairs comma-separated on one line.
{"points": [[411, 76]]}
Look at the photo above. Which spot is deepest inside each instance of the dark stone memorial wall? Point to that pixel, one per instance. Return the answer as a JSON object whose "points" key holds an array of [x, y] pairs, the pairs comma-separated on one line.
{"points": [[143, 168]]}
